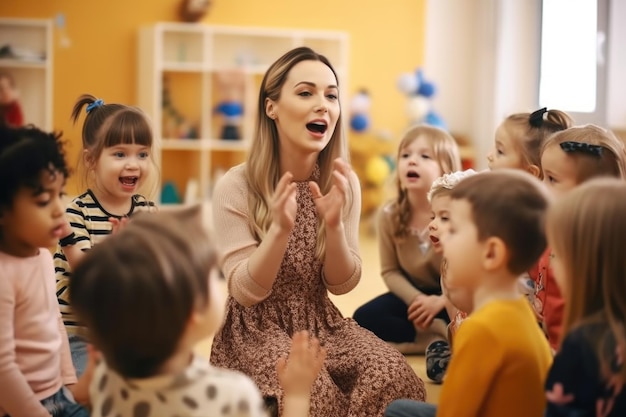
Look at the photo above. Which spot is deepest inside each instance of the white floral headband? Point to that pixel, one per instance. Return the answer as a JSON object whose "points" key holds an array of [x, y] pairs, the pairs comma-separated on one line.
{"points": [[449, 181]]}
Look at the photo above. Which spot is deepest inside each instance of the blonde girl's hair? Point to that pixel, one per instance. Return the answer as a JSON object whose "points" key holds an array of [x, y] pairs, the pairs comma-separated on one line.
{"points": [[595, 151], [530, 130], [586, 230], [445, 152], [108, 125], [262, 170]]}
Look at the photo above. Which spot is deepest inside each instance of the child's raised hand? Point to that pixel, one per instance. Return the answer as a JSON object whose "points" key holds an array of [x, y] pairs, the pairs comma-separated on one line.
{"points": [[284, 204], [330, 206], [118, 224], [298, 372]]}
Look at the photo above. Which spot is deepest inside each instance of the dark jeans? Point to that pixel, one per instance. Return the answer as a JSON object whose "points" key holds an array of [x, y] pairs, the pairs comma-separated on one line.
{"points": [[410, 408], [387, 317], [61, 404]]}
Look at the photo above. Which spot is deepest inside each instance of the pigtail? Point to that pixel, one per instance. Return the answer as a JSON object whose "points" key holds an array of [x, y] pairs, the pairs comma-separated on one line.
{"points": [[83, 100], [557, 120]]}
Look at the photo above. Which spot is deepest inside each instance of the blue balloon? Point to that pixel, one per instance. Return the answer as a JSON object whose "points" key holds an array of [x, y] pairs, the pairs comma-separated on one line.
{"points": [[359, 122], [426, 89], [434, 119], [230, 108]]}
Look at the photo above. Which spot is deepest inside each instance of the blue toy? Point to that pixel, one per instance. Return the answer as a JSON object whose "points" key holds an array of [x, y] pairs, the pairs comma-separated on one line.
{"points": [[419, 92]]}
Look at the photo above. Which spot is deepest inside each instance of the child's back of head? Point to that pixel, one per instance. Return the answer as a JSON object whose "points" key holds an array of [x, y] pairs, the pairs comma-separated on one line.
{"points": [[137, 290]]}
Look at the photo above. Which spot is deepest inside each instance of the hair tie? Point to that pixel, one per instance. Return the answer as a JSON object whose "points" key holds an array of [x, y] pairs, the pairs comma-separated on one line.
{"points": [[536, 118], [589, 149], [94, 104]]}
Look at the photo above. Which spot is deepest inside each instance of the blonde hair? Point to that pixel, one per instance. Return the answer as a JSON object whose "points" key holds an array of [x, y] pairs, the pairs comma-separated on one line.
{"points": [[445, 152], [611, 160], [586, 229], [262, 170], [530, 130]]}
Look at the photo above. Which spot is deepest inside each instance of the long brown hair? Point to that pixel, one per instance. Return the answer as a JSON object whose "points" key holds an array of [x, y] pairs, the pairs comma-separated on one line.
{"points": [[262, 170], [445, 152], [586, 230]]}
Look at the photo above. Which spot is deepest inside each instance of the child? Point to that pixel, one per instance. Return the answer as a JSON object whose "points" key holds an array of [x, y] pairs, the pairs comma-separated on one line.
{"points": [[438, 352], [518, 143], [35, 361], [148, 294], [411, 274], [117, 141], [500, 356], [586, 230], [520, 137], [288, 221], [568, 159]]}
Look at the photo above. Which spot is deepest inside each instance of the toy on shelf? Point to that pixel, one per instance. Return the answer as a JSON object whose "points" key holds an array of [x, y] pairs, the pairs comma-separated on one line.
{"points": [[230, 85], [419, 93], [10, 107], [175, 125], [359, 109], [193, 10]]}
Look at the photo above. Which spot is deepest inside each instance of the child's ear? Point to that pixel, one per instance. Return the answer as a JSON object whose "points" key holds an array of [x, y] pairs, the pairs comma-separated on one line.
{"points": [[534, 170], [495, 255], [88, 159]]}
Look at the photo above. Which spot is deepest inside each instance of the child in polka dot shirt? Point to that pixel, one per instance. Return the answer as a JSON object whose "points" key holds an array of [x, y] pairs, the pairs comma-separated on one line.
{"points": [[148, 295]]}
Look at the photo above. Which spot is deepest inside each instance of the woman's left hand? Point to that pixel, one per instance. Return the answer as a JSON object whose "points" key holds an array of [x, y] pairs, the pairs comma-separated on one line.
{"points": [[330, 206]]}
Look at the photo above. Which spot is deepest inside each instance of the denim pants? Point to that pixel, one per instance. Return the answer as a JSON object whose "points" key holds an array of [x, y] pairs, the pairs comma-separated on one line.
{"points": [[62, 404], [410, 408], [78, 349]]}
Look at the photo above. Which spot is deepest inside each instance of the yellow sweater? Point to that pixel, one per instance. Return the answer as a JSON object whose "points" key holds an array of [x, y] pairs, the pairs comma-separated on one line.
{"points": [[500, 360]]}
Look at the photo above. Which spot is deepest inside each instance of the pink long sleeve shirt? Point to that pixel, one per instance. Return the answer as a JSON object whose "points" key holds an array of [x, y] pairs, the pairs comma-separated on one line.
{"points": [[35, 360]]}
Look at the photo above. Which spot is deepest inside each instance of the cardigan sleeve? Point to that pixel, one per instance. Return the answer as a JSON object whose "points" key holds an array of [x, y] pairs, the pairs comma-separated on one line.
{"points": [[235, 241]]}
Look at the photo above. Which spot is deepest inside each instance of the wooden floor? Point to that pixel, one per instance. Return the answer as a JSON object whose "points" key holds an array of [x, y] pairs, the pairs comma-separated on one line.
{"points": [[370, 286]]}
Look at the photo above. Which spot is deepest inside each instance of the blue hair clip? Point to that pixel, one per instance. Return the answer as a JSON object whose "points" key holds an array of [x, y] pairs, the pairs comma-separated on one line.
{"points": [[589, 149], [95, 104]]}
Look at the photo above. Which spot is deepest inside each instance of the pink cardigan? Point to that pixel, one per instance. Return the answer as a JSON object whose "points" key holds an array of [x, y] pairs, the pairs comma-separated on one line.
{"points": [[35, 360]]}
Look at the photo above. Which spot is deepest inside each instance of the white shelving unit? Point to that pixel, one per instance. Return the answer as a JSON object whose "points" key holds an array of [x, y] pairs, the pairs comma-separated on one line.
{"points": [[30, 65], [188, 57]]}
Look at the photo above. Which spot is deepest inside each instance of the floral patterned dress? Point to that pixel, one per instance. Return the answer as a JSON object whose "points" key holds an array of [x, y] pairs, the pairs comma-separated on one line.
{"points": [[362, 374]]}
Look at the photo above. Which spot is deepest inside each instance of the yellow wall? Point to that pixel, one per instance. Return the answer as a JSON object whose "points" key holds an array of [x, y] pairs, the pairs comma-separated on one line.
{"points": [[386, 39]]}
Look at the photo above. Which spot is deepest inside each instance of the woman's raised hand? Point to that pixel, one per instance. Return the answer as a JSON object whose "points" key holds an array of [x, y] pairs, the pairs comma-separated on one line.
{"points": [[284, 203], [330, 206]]}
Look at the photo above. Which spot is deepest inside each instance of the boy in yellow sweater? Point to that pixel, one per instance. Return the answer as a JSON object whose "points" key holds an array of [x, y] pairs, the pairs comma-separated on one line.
{"points": [[500, 357]]}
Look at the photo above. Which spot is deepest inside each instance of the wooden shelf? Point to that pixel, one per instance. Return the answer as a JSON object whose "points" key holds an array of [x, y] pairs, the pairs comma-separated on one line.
{"points": [[189, 57]]}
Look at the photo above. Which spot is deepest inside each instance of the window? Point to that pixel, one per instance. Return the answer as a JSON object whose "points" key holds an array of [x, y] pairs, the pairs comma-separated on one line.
{"points": [[573, 45]]}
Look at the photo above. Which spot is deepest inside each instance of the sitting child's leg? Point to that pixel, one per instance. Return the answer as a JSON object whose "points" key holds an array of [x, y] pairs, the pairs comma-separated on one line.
{"points": [[410, 408]]}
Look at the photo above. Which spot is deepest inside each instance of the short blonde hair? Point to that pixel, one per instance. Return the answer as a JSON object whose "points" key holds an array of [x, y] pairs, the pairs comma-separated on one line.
{"points": [[586, 229]]}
